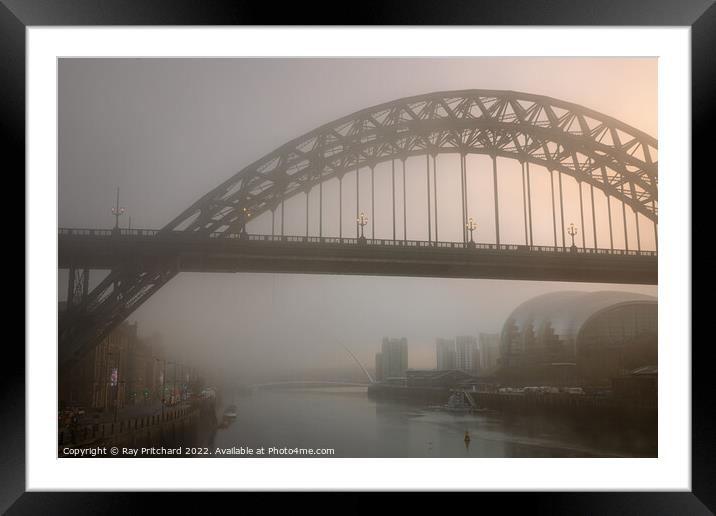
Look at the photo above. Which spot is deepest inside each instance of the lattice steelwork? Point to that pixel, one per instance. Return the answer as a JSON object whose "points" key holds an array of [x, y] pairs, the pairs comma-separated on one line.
{"points": [[560, 136], [109, 303]]}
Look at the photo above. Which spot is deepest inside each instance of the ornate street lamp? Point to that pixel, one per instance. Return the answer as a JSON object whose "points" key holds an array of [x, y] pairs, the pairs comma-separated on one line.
{"points": [[117, 211], [471, 226], [572, 231], [362, 220], [245, 215]]}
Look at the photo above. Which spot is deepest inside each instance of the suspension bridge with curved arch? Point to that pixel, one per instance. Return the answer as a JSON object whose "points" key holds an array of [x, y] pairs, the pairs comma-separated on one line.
{"points": [[299, 195]]}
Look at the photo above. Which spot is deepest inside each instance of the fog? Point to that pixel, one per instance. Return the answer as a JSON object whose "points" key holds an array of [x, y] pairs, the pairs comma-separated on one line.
{"points": [[167, 131]]}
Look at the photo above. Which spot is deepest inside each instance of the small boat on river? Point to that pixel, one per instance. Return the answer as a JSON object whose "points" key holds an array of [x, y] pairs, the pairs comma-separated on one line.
{"points": [[231, 412]]}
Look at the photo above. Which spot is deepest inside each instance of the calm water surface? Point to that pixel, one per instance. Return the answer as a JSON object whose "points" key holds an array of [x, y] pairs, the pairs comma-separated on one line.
{"points": [[354, 425]]}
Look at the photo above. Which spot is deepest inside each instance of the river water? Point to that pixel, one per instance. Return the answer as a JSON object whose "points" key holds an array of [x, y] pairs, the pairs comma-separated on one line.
{"points": [[346, 420]]}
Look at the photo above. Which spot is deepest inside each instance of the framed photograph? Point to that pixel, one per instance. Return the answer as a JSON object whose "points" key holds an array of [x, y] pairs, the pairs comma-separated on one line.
{"points": [[424, 257]]}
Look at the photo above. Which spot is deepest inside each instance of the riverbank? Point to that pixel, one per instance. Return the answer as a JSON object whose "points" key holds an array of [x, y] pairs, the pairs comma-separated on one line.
{"points": [[186, 425]]}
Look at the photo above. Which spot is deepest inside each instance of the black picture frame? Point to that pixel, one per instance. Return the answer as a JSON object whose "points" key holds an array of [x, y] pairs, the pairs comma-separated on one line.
{"points": [[17, 15]]}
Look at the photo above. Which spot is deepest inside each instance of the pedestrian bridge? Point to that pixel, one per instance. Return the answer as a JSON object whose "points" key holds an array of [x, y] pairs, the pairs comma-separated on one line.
{"points": [[306, 384]]}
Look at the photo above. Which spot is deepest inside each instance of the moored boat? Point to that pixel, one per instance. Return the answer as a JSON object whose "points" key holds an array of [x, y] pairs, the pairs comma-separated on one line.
{"points": [[230, 412]]}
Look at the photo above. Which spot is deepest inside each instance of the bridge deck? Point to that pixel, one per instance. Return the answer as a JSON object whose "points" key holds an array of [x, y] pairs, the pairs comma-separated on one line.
{"points": [[192, 252]]}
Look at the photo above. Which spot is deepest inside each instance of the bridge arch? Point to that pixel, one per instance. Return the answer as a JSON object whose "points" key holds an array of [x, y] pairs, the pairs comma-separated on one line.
{"points": [[560, 136]]}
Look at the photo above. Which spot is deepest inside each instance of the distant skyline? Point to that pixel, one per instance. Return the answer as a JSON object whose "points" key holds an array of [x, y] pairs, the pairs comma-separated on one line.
{"points": [[166, 131]]}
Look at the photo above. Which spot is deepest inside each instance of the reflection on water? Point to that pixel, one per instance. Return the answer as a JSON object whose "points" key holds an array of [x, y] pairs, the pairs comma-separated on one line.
{"points": [[346, 420]]}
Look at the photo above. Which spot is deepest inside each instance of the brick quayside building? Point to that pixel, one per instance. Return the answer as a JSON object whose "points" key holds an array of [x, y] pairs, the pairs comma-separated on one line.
{"points": [[121, 371]]}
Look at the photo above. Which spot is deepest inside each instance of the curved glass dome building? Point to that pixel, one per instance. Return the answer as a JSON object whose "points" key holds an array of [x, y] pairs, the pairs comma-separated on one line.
{"points": [[595, 335]]}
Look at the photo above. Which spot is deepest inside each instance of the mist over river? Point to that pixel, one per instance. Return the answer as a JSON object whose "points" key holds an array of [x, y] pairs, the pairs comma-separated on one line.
{"points": [[347, 421]]}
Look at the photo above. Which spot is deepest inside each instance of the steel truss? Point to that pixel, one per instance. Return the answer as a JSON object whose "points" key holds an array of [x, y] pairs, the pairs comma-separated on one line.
{"points": [[107, 305], [561, 136]]}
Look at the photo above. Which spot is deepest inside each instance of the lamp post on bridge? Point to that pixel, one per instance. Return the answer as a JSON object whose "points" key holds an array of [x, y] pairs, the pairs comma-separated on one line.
{"points": [[245, 215], [117, 211], [471, 226], [362, 220], [572, 231]]}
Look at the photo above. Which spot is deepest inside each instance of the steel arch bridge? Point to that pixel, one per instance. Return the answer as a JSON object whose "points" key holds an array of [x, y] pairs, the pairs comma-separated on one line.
{"points": [[562, 137]]}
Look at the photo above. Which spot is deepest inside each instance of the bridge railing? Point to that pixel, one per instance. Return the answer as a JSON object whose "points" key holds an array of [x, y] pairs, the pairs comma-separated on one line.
{"points": [[108, 232], [139, 232], [373, 242], [432, 244], [84, 232]]}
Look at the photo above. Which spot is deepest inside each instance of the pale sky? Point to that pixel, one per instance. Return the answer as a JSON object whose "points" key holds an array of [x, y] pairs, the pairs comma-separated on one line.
{"points": [[167, 131]]}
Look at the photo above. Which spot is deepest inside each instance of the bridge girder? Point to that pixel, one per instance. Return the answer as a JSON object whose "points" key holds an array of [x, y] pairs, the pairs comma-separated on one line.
{"points": [[571, 139], [121, 292]]}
